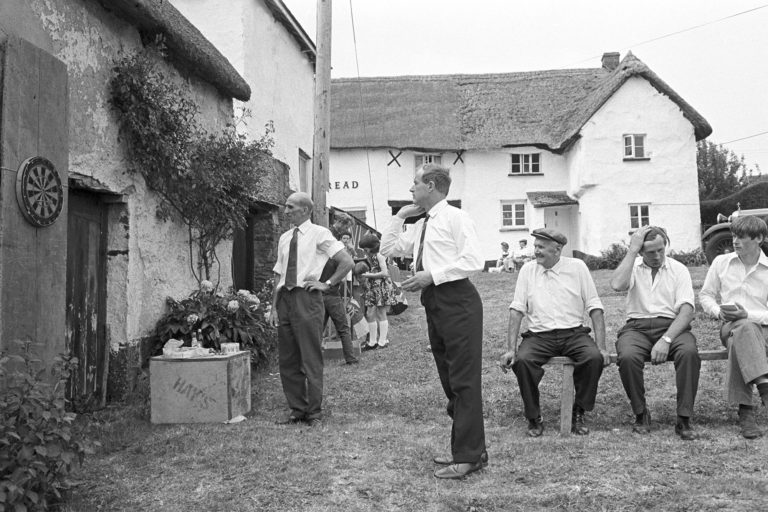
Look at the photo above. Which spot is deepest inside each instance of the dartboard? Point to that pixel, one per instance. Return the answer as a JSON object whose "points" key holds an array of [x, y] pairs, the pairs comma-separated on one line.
{"points": [[39, 191]]}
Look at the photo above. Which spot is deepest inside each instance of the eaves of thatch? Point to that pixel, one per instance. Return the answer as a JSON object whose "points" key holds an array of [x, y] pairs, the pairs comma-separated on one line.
{"points": [[544, 109], [186, 45]]}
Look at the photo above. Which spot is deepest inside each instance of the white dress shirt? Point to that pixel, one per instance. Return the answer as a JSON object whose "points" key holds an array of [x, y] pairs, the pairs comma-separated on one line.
{"points": [[555, 298], [315, 246], [663, 296], [728, 277], [451, 249]]}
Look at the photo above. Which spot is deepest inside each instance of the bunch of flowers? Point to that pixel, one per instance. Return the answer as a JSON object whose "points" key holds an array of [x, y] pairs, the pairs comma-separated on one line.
{"points": [[234, 316]]}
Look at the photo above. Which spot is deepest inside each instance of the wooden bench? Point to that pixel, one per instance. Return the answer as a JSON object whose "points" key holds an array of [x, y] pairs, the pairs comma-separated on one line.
{"points": [[567, 393]]}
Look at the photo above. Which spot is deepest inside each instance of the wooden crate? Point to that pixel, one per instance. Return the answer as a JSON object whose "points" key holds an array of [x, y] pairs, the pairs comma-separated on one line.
{"points": [[209, 389]]}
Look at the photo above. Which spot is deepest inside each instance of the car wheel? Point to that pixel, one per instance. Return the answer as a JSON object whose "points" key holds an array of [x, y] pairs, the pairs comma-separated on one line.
{"points": [[721, 243]]}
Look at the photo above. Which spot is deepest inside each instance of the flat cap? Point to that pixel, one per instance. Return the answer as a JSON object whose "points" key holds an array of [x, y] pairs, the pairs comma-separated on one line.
{"points": [[550, 234]]}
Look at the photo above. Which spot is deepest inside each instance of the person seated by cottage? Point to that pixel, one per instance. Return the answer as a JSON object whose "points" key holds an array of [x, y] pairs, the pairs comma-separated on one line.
{"points": [[503, 262], [552, 293], [740, 281], [522, 254], [660, 305]]}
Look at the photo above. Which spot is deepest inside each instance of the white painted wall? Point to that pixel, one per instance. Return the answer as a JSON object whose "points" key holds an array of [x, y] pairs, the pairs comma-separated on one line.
{"points": [[668, 180], [281, 77]]}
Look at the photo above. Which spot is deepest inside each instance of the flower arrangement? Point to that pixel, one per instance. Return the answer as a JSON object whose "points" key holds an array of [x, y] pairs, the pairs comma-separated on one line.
{"points": [[234, 316]]}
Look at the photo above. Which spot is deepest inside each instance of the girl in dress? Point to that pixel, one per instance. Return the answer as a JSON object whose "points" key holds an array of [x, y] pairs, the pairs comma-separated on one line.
{"points": [[378, 293]]}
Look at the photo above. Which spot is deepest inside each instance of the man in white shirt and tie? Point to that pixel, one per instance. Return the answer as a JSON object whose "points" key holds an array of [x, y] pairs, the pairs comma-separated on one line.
{"points": [[445, 249], [553, 292], [660, 307], [740, 279], [297, 307]]}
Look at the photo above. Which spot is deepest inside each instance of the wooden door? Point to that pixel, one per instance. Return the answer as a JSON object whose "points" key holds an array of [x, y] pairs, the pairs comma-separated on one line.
{"points": [[560, 218], [86, 299]]}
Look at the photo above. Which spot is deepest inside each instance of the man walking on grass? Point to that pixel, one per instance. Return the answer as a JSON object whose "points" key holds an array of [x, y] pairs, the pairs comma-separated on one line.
{"points": [[297, 307], [553, 293], [740, 279], [660, 306], [444, 247]]}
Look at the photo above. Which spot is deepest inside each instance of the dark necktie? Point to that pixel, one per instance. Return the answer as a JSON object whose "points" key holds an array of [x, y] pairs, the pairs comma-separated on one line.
{"points": [[293, 257], [419, 262]]}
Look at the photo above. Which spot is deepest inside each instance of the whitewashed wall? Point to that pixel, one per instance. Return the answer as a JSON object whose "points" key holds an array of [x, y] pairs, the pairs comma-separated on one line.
{"points": [[668, 180], [269, 58]]}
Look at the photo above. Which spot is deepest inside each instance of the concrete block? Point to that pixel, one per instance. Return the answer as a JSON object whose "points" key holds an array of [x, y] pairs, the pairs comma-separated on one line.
{"points": [[200, 390]]}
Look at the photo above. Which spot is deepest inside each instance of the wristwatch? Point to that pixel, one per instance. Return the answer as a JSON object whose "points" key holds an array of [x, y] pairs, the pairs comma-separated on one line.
{"points": [[667, 338]]}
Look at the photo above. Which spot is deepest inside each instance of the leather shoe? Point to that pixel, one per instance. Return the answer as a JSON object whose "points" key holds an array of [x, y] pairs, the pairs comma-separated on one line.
{"points": [[749, 429], [315, 422], [536, 427], [457, 471], [642, 423], [447, 461], [290, 420], [578, 425], [684, 430]]}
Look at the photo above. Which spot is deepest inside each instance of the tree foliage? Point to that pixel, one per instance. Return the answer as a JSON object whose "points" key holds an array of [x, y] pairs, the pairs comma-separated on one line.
{"points": [[721, 172], [207, 180]]}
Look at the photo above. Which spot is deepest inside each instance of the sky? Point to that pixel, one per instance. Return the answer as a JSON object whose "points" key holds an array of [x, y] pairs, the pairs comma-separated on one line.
{"points": [[715, 53]]}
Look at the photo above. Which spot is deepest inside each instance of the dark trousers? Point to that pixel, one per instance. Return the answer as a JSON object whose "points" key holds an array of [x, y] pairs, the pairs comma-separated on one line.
{"points": [[299, 337], [334, 308], [455, 327], [634, 344], [537, 347]]}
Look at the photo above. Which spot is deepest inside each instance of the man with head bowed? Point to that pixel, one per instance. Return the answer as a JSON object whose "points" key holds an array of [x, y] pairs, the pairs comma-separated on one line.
{"points": [[297, 307], [660, 307], [445, 251], [553, 292]]}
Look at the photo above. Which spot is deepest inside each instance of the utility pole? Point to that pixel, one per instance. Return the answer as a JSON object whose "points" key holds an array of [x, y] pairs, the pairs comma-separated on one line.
{"points": [[322, 143]]}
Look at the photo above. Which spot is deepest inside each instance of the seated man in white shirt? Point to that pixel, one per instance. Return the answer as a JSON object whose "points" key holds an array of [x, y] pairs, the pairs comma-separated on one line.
{"points": [[553, 292], [660, 307], [740, 279], [522, 254]]}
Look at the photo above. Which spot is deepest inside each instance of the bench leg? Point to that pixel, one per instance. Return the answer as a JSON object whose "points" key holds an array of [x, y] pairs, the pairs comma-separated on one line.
{"points": [[566, 400]]}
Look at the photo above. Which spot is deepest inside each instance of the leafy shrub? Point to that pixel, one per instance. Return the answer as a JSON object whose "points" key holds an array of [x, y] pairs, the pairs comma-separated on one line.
{"points": [[693, 258], [238, 317], [39, 445]]}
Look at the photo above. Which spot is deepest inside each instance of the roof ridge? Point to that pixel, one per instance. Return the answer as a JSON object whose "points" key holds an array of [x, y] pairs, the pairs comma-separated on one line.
{"points": [[466, 76]]}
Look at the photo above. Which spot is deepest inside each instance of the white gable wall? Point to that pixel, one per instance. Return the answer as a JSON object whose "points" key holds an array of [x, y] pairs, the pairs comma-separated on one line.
{"points": [[269, 58], [607, 184]]}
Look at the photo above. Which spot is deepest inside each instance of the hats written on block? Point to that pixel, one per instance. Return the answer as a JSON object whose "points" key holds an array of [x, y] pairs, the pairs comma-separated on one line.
{"points": [[551, 235]]}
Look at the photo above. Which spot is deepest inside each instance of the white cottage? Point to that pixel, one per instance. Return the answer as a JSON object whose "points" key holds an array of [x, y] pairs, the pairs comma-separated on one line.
{"points": [[270, 49], [595, 153]]}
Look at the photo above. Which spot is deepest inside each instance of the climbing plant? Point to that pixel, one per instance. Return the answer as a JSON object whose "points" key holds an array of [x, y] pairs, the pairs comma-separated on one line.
{"points": [[207, 180]]}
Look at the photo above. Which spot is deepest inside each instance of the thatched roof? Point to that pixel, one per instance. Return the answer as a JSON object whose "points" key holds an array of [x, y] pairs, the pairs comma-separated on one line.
{"points": [[545, 109], [550, 198], [186, 45]]}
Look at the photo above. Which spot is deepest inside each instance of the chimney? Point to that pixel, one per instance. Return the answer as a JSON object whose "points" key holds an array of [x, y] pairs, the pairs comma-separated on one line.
{"points": [[611, 60]]}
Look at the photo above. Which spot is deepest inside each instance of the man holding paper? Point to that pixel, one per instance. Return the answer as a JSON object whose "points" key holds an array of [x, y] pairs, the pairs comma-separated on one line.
{"points": [[740, 279]]}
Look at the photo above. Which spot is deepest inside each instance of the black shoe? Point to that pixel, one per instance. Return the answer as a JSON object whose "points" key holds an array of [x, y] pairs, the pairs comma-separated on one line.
{"points": [[536, 427], [448, 460], [642, 423], [290, 420], [578, 425], [684, 430], [366, 347], [353, 361], [749, 428], [458, 471], [315, 422]]}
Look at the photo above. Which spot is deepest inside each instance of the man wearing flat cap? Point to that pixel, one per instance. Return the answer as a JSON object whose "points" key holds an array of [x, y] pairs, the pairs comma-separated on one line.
{"points": [[660, 307], [553, 293]]}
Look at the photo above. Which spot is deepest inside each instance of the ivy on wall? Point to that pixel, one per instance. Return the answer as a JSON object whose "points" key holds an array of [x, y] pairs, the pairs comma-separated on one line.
{"points": [[206, 180]]}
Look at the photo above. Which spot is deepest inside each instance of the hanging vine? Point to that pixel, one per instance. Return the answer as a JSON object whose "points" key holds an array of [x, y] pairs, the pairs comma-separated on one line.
{"points": [[206, 180]]}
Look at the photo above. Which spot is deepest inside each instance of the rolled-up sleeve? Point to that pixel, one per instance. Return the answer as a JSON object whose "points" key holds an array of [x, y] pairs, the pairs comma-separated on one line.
{"points": [[588, 290], [520, 299], [395, 242], [684, 290], [710, 290]]}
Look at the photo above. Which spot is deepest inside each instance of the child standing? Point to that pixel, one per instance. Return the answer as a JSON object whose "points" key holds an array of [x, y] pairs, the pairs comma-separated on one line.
{"points": [[378, 293]]}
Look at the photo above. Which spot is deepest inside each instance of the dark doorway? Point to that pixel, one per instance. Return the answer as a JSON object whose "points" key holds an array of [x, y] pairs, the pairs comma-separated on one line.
{"points": [[86, 299]]}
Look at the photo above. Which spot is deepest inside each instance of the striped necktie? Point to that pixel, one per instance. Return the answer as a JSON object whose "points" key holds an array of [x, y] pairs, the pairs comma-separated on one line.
{"points": [[419, 262]]}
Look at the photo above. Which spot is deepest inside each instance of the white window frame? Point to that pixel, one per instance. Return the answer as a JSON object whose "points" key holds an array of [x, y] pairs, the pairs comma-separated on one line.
{"points": [[635, 146], [427, 158], [636, 217], [516, 217], [525, 163]]}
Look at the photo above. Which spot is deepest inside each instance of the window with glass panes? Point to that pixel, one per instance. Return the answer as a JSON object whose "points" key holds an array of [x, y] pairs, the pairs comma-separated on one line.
{"points": [[428, 159], [513, 214], [525, 164], [639, 216], [634, 146]]}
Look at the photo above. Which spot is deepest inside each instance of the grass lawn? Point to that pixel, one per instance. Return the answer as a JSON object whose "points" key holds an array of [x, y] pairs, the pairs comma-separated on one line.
{"points": [[385, 420]]}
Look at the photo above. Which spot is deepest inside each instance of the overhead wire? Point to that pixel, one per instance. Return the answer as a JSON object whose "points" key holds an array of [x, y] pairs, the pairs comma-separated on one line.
{"points": [[747, 137], [362, 116], [675, 33]]}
